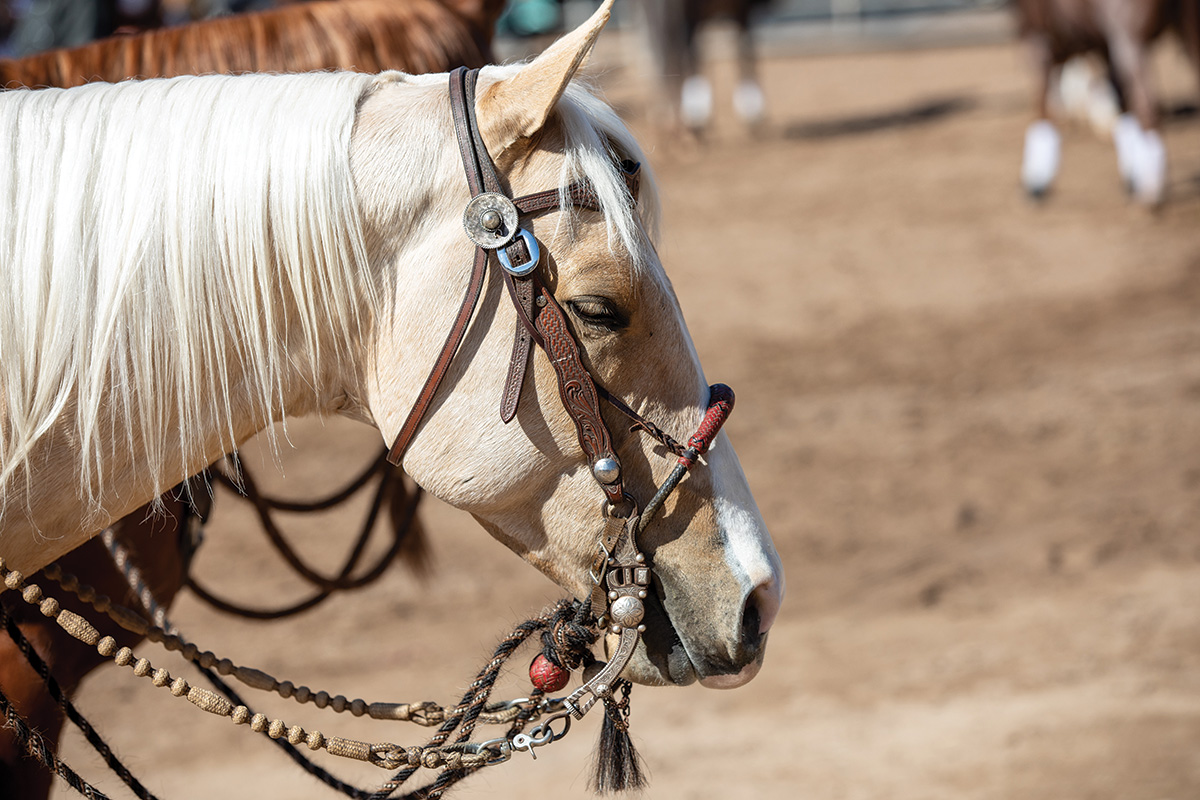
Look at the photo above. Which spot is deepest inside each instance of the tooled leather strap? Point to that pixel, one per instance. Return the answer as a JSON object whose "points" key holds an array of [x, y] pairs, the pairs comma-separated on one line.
{"points": [[580, 194], [576, 388], [522, 297]]}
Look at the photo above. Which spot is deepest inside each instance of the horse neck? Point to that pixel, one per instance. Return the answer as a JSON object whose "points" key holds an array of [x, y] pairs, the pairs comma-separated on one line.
{"points": [[360, 35], [181, 303]]}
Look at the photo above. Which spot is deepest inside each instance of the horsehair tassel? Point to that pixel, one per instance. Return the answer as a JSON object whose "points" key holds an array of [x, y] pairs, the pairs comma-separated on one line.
{"points": [[618, 767]]}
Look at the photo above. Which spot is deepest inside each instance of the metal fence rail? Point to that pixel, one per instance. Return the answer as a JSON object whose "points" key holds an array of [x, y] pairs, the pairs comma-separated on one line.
{"points": [[804, 10]]}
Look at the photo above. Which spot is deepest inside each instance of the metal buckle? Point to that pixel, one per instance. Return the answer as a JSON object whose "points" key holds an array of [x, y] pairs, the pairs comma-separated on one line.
{"points": [[535, 255], [542, 735]]}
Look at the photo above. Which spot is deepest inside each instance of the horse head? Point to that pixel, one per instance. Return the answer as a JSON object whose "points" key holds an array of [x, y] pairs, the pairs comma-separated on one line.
{"points": [[718, 581]]}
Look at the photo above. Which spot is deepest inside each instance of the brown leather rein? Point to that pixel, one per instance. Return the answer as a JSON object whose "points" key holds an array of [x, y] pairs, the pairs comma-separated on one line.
{"points": [[620, 573]]}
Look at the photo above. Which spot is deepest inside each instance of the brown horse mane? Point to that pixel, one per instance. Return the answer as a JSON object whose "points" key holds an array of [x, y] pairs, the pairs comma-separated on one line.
{"points": [[361, 35]]}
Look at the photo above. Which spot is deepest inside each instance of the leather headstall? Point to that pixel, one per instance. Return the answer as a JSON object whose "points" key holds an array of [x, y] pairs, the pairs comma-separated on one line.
{"points": [[620, 574], [492, 222]]}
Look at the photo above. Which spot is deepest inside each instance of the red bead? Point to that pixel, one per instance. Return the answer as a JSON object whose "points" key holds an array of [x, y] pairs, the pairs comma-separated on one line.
{"points": [[545, 675]]}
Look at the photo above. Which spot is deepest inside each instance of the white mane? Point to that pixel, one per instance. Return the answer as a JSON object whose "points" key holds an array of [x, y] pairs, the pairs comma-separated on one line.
{"points": [[170, 246], [156, 231]]}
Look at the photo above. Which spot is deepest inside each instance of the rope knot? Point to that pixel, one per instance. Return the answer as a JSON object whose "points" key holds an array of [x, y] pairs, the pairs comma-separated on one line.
{"points": [[567, 641]]}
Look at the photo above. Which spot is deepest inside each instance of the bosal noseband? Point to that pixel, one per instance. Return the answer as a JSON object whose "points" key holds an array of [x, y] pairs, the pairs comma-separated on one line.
{"points": [[620, 574]]}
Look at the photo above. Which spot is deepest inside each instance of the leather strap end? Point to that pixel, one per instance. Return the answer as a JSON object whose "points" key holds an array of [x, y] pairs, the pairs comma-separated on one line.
{"points": [[521, 291]]}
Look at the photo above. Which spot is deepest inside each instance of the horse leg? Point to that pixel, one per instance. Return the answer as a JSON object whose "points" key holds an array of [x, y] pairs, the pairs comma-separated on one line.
{"points": [[1187, 26], [1043, 144], [665, 35], [1126, 132], [1145, 156], [696, 97], [748, 99], [161, 556], [20, 774]]}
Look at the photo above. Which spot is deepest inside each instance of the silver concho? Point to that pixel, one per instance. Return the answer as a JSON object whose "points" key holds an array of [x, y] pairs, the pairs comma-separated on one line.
{"points": [[627, 611], [607, 470], [490, 220]]}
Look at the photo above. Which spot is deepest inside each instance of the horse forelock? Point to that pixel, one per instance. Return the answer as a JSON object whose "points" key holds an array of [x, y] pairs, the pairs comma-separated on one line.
{"points": [[594, 141], [176, 247]]}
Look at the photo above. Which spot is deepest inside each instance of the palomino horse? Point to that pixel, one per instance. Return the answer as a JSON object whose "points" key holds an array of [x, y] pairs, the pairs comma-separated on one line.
{"points": [[301, 267], [370, 35], [1121, 31], [687, 96]]}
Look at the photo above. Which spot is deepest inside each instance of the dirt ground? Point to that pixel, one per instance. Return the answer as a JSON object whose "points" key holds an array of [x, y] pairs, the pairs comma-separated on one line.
{"points": [[971, 422]]}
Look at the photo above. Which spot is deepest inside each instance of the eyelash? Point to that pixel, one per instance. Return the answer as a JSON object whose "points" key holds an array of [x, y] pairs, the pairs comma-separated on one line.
{"points": [[606, 319]]}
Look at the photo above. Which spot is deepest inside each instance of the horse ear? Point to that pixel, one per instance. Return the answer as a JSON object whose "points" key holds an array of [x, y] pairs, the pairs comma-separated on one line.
{"points": [[517, 107]]}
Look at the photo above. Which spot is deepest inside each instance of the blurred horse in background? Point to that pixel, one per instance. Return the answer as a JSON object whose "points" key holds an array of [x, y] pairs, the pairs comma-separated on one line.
{"points": [[363, 35], [686, 94], [1121, 32]]}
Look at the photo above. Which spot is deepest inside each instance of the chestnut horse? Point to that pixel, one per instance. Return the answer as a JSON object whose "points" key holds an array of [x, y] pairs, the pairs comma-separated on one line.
{"points": [[360, 35], [364, 35], [1121, 31]]}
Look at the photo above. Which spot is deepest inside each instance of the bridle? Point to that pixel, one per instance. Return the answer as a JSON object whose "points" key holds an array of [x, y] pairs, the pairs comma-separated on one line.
{"points": [[621, 576]]}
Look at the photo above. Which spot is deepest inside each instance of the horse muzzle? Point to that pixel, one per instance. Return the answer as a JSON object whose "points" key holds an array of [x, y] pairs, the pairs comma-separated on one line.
{"points": [[682, 650]]}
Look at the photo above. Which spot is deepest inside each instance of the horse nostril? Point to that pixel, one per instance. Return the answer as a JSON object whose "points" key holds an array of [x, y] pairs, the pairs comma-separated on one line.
{"points": [[762, 606], [751, 624]]}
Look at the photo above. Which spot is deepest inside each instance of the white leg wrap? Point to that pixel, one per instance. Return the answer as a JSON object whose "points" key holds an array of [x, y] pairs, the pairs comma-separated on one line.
{"points": [[1150, 183], [1127, 138], [749, 102], [1074, 83], [696, 102], [1042, 153]]}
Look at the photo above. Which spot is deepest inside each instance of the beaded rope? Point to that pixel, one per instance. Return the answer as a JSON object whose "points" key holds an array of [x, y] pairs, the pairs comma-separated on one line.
{"points": [[133, 576], [461, 756], [562, 643], [124, 561], [426, 714]]}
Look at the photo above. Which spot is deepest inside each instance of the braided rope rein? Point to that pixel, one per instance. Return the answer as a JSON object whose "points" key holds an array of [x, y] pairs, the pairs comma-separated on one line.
{"points": [[459, 758], [36, 746], [427, 714], [565, 645], [390, 493]]}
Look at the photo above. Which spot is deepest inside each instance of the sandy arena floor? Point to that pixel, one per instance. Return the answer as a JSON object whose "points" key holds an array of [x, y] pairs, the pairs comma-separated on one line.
{"points": [[972, 423]]}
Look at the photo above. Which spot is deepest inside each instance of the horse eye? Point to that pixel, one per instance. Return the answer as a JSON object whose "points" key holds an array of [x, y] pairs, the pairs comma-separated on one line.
{"points": [[597, 312]]}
